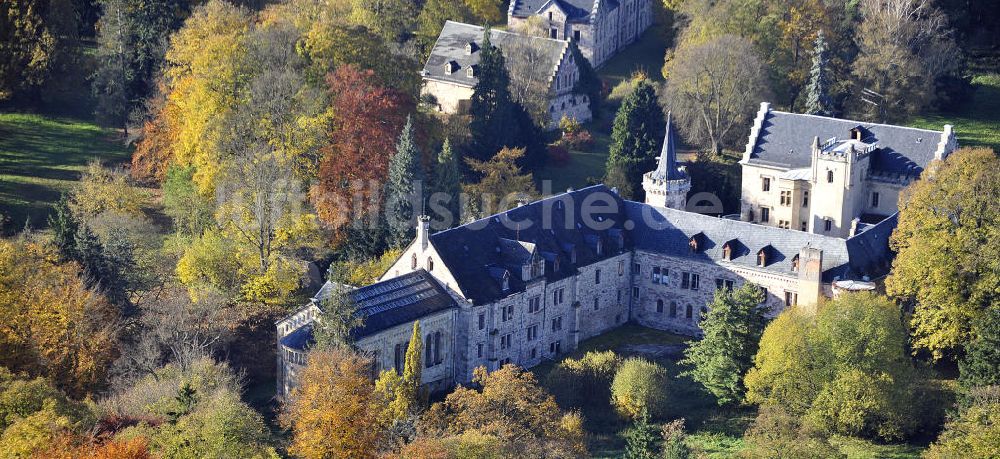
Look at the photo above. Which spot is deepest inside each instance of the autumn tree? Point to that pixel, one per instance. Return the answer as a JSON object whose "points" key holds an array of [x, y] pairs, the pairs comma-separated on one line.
{"points": [[975, 430], [53, 326], [390, 19], [367, 119], [511, 407], [844, 370], [905, 48], [37, 38], [34, 415], [584, 383], [713, 88], [639, 389], [412, 371], [980, 366], [636, 139], [725, 353], [433, 15], [943, 270], [502, 185], [334, 412]]}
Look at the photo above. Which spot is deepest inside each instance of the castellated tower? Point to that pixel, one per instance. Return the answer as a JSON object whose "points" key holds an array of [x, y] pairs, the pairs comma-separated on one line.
{"points": [[668, 185]]}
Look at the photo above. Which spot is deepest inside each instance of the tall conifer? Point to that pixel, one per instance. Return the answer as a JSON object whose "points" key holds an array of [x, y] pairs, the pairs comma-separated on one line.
{"points": [[412, 368], [636, 138], [447, 180], [405, 176], [817, 100]]}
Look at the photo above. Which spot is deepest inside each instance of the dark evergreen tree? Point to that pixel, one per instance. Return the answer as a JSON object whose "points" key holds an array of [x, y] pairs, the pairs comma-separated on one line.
{"points": [[732, 331], [641, 439], [64, 227], [589, 83], [448, 183], [636, 138], [818, 100], [403, 188], [981, 364]]}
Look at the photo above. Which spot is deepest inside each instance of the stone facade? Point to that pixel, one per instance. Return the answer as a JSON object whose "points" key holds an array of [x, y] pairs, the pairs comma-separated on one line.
{"points": [[449, 75], [830, 176], [599, 28]]}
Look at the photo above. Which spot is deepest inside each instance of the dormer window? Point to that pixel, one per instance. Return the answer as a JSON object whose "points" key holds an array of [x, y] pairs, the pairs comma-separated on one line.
{"points": [[471, 47], [763, 256], [450, 67], [695, 242], [471, 71], [505, 283], [795, 263], [727, 252]]}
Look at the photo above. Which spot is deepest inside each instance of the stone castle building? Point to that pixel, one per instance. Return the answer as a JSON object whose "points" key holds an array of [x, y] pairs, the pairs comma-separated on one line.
{"points": [[599, 27], [450, 73], [527, 285], [831, 176]]}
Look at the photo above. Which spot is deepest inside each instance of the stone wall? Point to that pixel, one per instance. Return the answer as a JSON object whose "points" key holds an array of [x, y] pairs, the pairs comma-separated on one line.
{"points": [[382, 347]]}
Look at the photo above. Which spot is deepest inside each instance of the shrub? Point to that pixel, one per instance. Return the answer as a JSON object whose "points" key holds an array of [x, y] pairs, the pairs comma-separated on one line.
{"points": [[639, 385], [558, 155], [578, 140], [625, 87], [584, 383], [975, 432]]}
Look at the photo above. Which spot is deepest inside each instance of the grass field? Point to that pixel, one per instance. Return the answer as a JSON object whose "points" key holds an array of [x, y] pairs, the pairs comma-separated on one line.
{"points": [[977, 123], [40, 157]]}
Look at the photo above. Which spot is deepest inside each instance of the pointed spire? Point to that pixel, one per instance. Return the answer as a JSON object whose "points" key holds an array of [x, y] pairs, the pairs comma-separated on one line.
{"points": [[666, 169]]}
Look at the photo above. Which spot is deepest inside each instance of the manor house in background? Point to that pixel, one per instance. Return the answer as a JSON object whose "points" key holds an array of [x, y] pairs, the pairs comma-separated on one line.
{"points": [[831, 176], [528, 285], [599, 27], [452, 69]]}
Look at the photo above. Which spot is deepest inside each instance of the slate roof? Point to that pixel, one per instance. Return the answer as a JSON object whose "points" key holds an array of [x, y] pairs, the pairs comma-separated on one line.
{"points": [[384, 305], [575, 9], [786, 139], [555, 227], [454, 38], [668, 231], [666, 167]]}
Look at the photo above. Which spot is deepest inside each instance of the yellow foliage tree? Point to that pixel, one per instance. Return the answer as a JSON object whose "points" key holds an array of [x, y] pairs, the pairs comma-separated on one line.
{"points": [[334, 412], [51, 324]]}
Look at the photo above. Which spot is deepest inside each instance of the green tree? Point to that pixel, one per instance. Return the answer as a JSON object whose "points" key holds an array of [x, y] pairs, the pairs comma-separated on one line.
{"points": [[433, 16], [817, 92], [584, 383], [405, 181], [502, 185], [640, 440], [944, 270], [636, 138], [37, 40], [492, 109], [640, 388], [447, 182], [844, 371], [412, 369], [339, 318], [189, 211], [221, 426], [980, 366], [975, 431], [390, 19], [732, 332]]}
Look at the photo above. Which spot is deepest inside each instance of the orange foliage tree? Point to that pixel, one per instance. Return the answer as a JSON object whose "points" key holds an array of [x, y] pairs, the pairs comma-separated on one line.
{"points": [[334, 412], [367, 119], [51, 324]]}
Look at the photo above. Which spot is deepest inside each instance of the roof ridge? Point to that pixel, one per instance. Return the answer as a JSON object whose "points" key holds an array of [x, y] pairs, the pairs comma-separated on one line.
{"points": [[860, 123]]}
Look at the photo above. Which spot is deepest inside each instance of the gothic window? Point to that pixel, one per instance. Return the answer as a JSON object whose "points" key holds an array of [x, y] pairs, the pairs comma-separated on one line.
{"points": [[685, 280], [597, 276], [413, 261], [689, 312], [673, 309], [829, 176], [659, 306], [429, 351], [437, 348], [795, 263], [430, 264], [827, 225], [765, 184], [765, 214], [482, 320], [875, 199]]}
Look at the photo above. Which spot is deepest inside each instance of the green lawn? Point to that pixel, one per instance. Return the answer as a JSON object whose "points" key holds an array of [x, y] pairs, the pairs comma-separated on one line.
{"points": [[584, 167], [40, 157], [977, 123], [645, 54]]}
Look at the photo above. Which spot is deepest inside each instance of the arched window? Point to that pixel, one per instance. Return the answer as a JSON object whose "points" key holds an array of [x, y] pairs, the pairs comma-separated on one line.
{"points": [[659, 306], [689, 311], [413, 261], [430, 264], [437, 348], [673, 309]]}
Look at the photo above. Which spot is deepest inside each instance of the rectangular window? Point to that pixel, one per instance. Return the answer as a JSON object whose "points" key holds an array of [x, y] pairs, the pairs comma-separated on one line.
{"points": [[827, 225], [556, 323], [786, 198], [557, 297], [621, 267], [656, 274], [482, 320], [636, 268], [875, 199], [534, 353], [621, 293], [695, 280], [479, 350], [791, 298], [507, 313], [576, 35], [784, 224], [805, 199], [534, 304], [635, 293], [765, 214], [597, 304], [553, 33], [505, 341], [597, 276], [555, 347], [765, 184], [532, 332], [804, 226], [829, 176], [685, 280]]}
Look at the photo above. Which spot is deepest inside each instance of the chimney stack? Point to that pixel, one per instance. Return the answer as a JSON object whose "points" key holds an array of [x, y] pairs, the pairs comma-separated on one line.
{"points": [[810, 279], [423, 231]]}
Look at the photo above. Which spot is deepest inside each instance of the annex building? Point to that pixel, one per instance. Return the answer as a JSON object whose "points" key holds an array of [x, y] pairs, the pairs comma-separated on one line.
{"points": [[527, 285]]}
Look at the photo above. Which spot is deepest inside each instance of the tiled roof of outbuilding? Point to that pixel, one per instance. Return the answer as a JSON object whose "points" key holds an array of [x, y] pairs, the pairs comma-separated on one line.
{"points": [[785, 141], [575, 9]]}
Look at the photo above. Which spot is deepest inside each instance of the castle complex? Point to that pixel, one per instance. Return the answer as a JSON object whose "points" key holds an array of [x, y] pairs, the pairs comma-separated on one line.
{"points": [[527, 285]]}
